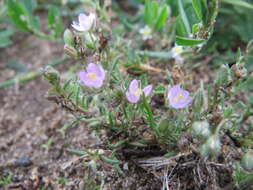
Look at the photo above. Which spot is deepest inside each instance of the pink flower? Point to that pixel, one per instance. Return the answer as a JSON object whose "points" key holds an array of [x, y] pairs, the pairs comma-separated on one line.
{"points": [[94, 75], [84, 22], [178, 97], [134, 92]]}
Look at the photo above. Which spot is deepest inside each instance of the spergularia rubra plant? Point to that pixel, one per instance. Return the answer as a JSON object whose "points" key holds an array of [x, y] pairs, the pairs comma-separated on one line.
{"points": [[94, 75], [134, 92]]}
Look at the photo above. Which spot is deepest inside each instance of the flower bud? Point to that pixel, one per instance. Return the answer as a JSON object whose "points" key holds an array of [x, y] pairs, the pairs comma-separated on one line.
{"points": [[93, 165], [211, 147], [68, 37], [164, 125], [223, 76], [239, 70], [90, 40], [201, 128], [198, 101], [52, 75], [70, 51], [247, 161]]}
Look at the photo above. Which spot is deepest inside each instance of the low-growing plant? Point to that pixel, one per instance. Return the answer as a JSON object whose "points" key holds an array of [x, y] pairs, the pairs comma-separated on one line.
{"points": [[112, 92]]}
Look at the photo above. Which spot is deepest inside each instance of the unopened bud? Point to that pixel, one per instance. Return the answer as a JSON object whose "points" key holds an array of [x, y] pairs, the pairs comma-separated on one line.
{"points": [[68, 37], [52, 75], [211, 147], [93, 165], [198, 101], [70, 51], [247, 161], [90, 40], [223, 76], [239, 70], [201, 128], [164, 125]]}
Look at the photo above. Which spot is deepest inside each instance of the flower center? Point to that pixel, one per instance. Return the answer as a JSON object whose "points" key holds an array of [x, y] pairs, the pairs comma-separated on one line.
{"points": [[179, 97], [146, 32], [92, 76], [178, 49], [137, 92]]}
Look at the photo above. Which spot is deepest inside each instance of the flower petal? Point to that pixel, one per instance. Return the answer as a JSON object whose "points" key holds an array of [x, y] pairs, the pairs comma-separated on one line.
{"points": [[90, 82], [173, 91], [82, 17], [97, 83], [134, 85], [179, 105], [99, 70], [86, 22], [82, 75], [147, 90], [92, 68], [131, 97], [77, 27]]}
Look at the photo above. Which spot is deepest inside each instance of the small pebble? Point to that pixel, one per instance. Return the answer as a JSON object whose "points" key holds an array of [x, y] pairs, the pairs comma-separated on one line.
{"points": [[23, 161]]}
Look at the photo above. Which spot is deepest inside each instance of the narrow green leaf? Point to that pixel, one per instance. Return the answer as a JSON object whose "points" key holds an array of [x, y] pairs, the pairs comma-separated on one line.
{"points": [[109, 160], [156, 54], [77, 152], [162, 18], [5, 37], [30, 5], [184, 17], [5, 42], [188, 41], [147, 11], [154, 9], [240, 3], [180, 29], [55, 20], [18, 14], [198, 8]]}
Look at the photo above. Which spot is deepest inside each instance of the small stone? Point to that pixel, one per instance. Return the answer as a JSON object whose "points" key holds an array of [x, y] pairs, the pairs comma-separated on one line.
{"points": [[23, 161]]}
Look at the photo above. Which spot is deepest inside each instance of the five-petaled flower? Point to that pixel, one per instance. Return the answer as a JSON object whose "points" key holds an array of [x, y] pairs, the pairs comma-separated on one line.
{"points": [[179, 98], [134, 92], [94, 75], [146, 33], [177, 53], [85, 22]]}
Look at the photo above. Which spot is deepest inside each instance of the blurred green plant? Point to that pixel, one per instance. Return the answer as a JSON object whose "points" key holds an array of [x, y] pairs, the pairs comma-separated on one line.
{"points": [[156, 14], [21, 13]]}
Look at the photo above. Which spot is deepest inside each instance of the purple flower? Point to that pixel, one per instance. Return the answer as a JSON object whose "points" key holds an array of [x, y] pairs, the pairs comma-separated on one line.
{"points": [[134, 92], [178, 97], [94, 75], [84, 22]]}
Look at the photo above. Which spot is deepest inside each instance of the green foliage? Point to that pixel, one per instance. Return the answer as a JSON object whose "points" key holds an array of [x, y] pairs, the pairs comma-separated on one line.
{"points": [[155, 14], [195, 23], [5, 37], [5, 180], [22, 15], [188, 41]]}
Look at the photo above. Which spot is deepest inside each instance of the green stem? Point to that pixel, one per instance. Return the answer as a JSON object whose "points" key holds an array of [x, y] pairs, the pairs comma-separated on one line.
{"points": [[29, 76], [219, 126]]}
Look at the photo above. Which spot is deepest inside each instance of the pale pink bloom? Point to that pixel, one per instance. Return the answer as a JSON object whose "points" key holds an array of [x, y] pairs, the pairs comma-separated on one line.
{"points": [[134, 92], [85, 22], [179, 98], [94, 75]]}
